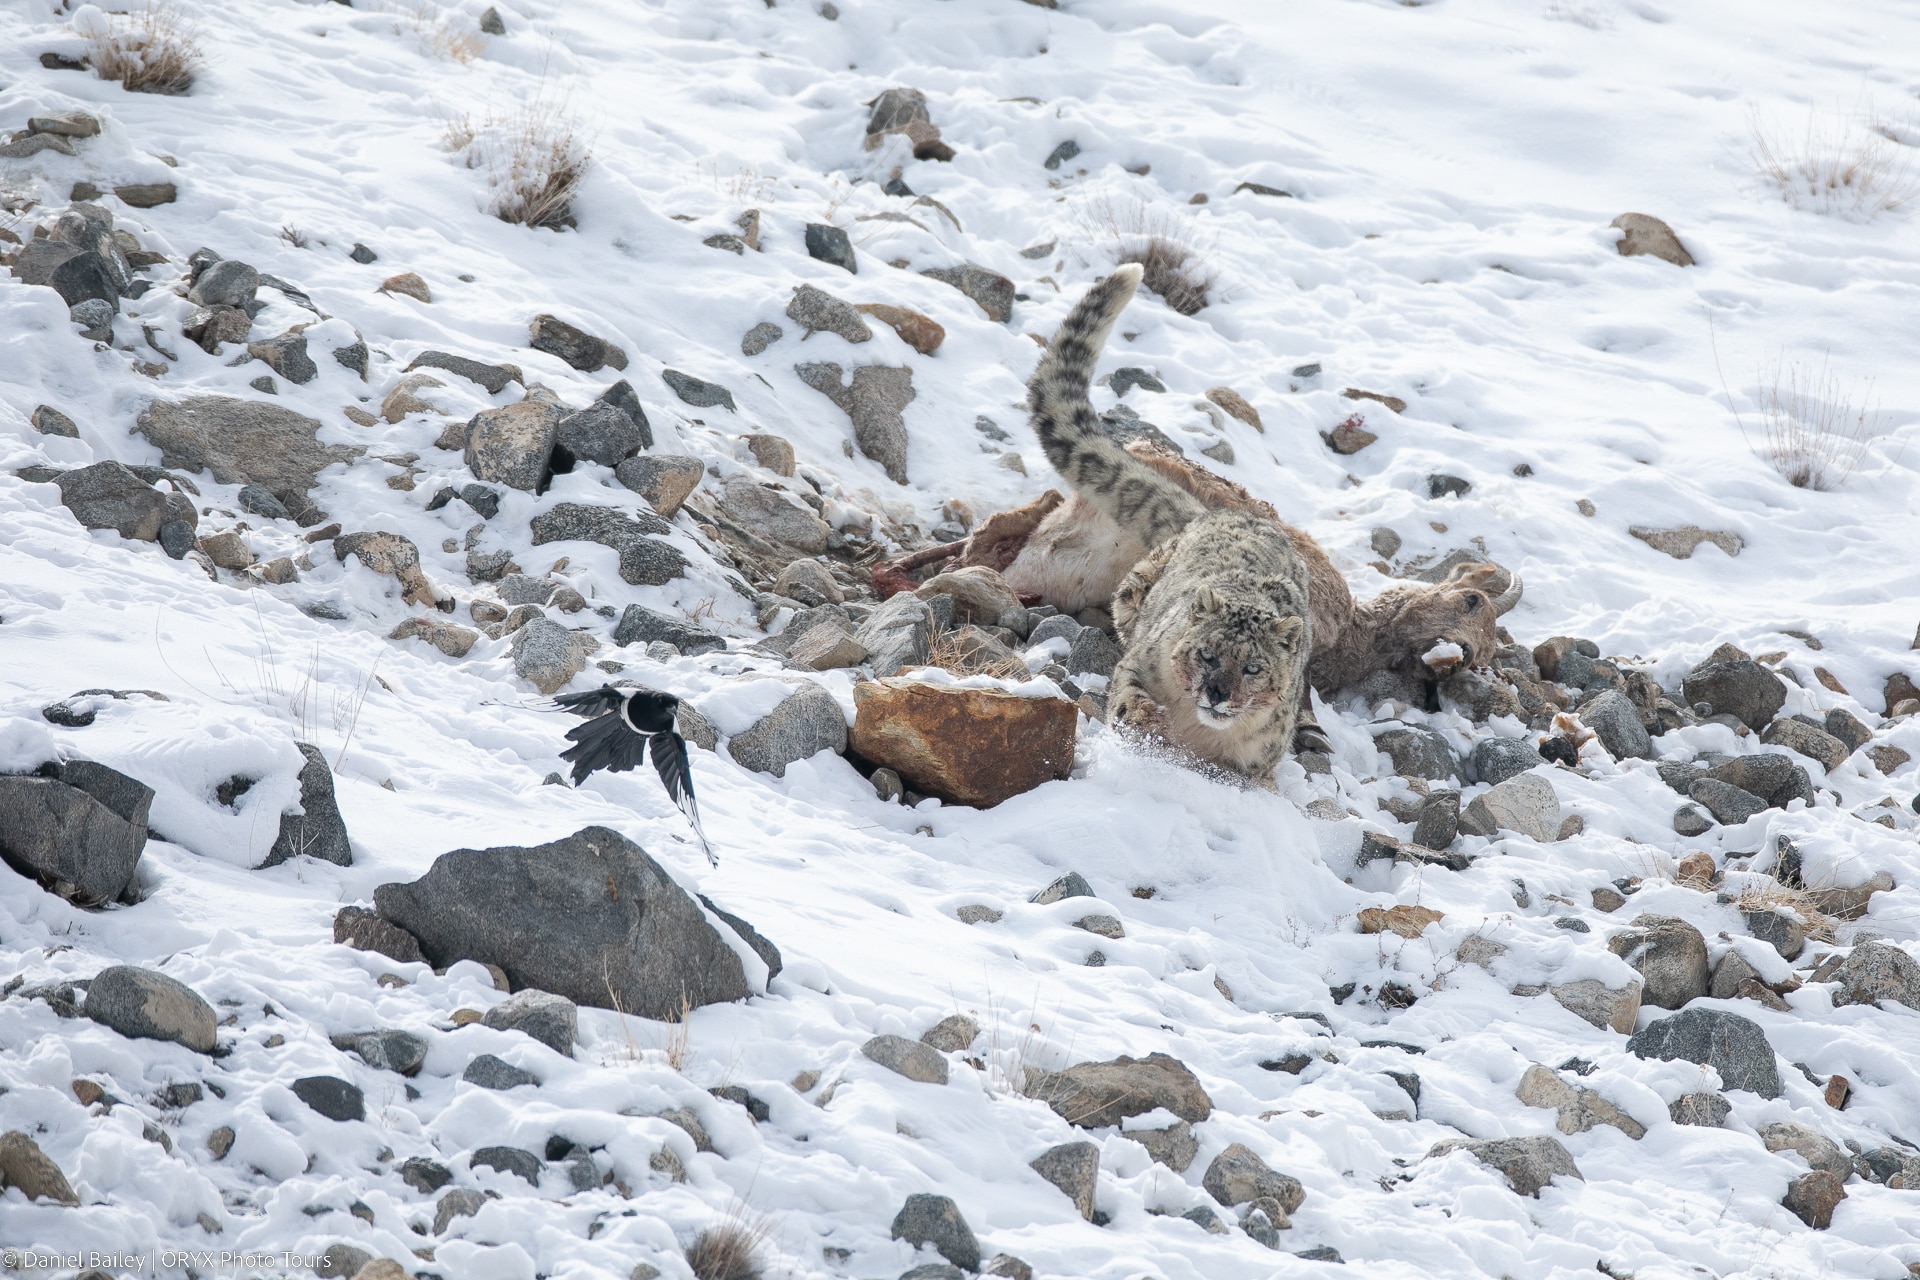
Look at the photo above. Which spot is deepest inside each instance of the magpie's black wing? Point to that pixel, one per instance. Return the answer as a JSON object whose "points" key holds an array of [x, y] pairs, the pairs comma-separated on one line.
{"points": [[595, 703], [670, 759], [603, 743]]}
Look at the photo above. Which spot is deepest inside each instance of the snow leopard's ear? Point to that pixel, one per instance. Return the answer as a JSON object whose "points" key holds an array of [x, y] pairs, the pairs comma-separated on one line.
{"points": [[1288, 630], [1206, 600]]}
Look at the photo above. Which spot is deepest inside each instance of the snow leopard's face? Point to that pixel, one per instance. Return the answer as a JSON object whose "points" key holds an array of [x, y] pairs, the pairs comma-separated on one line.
{"points": [[1239, 663]]}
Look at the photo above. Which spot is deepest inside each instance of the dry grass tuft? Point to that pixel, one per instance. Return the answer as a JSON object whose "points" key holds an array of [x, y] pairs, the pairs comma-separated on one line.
{"points": [[1854, 168], [730, 1249], [1174, 268], [535, 160], [295, 237], [441, 35], [1771, 895], [1818, 429], [961, 651], [151, 51]]}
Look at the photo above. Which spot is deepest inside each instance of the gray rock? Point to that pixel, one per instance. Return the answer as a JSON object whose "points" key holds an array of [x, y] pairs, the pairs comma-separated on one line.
{"points": [[242, 442], [1528, 1163], [590, 917], [953, 1034], [491, 23], [210, 326], [816, 310], [830, 244], [1670, 956], [1616, 721], [991, 290], [643, 626], [1726, 802], [644, 560], [898, 634], [176, 538], [1525, 804], [1074, 1167], [1125, 380], [663, 479], [1840, 724], [1495, 760], [1818, 1150], [106, 495], [227, 283], [1817, 744], [461, 1202], [697, 392], [1890, 1166], [548, 655], [494, 377], [1771, 776], [66, 124], [259, 500], [1094, 1095], [548, 1018], [1785, 933], [522, 1164], [1418, 752], [490, 1072], [1174, 1146], [772, 513], [577, 347], [1070, 885], [1877, 971], [1689, 821], [760, 337], [1599, 1004], [341, 1260], [1238, 1176], [49, 421], [1642, 234], [768, 953], [809, 582], [1705, 1110], [1093, 652], [936, 1221], [95, 318], [521, 588], [25, 1166], [399, 1051], [513, 444], [352, 357], [76, 826], [362, 930], [1682, 542], [1439, 820], [873, 399], [287, 356], [363, 255], [1579, 1108], [1812, 1197], [332, 1097], [1743, 688], [608, 431], [806, 722], [142, 1004], [910, 1058], [318, 830], [1058, 625], [1730, 1044]]}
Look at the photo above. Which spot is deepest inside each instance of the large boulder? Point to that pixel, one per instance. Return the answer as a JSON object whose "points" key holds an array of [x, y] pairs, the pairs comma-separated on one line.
{"points": [[643, 626], [107, 495], [1238, 1176], [967, 746], [318, 830], [1742, 688], [608, 431], [873, 398], [1616, 722], [1525, 803], [770, 512], [590, 917], [663, 479], [1074, 1167], [513, 444], [547, 655], [1671, 957], [1876, 971], [1528, 1163], [1094, 1095], [142, 1004], [25, 1167], [898, 634], [391, 554], [1732, 1045], [242, 442], [1418, 752], [806, 722], [645, 560], [935, 1221], [76, 827]]}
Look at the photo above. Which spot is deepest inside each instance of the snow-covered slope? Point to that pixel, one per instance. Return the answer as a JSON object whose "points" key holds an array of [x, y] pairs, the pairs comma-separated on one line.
{"points": [[1453, 169]]}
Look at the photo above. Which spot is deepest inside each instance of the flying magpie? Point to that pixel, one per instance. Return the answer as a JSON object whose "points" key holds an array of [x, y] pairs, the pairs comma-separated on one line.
{"points": [[629, 722]]}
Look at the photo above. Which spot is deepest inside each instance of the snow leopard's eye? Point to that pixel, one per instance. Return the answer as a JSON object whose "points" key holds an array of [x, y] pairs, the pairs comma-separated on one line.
{"points": [[1253, 668]]}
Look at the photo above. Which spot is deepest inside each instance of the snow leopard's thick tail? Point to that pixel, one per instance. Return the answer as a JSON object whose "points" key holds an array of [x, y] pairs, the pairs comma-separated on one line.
{"points": [[1150, 507]]}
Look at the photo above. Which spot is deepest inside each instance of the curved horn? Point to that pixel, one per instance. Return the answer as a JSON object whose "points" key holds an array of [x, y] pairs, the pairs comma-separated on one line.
{"points": [[1510, 597]]}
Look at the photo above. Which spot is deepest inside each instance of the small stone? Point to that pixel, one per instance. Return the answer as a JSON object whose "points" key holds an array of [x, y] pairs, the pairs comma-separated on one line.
{"points": [[1074, 1167], [548, 655], [935, 1221], [332, 1097], [1238, 1176], [1061, 154], [362, 930], [1705, 1110], [1070, 885], [1440, 485], [66, 124], [1817, 744], [1528, 1163], [1236, 406], [522, 1164], [1407, 921], [641, 625], [910, 1058], [974, 913], [1846, 728], [1580, 1109], [454, 641], [409, 284], [1643, 234], [1696, 871], [461, 1202], [491, 22], [1688, 820], [874, 400], [816, 310], [490, 1072], [1418, 752], [772, 452], [1726, 802], [1394, 403], [1671, 957], [664, 480], [1812, 1197], [1174, 1146], [1876, 971], [548, 1018], [920, 332], [1680, 543], [697, 392], [576, 347], [1525, 804], [1095, 1095], [1614, 1008], [49, 421], [1616, 722], [760, 337], [993, 292], [609, 431], [147, 195], [220, 1141], [968, 746], [142, 1004], [287, 356], [23, 1165], [397, 1051], [953, 1034], [830, 244], [1496, 759]]}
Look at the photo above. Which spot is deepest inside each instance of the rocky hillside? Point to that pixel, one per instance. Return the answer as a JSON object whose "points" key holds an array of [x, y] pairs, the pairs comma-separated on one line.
{"points": [[373, 372]]}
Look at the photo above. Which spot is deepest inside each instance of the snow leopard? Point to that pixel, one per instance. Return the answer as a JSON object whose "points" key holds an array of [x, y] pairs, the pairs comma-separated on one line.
{"points": [[1214, 624]]}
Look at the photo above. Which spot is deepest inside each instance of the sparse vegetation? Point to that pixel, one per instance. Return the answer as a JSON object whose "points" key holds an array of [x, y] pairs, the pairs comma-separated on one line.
{"points": [[1818, 428], [153, 50], [1854, 167], [963, 654], [443, 35], [1173, 267], [295, 237], [729, 1249], [535, 160]]}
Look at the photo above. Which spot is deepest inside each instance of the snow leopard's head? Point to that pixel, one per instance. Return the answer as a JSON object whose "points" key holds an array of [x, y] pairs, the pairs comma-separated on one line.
{"points": [[1239, 657]]}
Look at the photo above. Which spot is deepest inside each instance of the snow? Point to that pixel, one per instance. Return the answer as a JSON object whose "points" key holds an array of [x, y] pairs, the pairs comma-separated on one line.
{"points": [[1454, 168]]}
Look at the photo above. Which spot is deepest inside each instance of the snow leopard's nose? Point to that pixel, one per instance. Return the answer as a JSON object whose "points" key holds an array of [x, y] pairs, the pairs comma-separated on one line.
{"points": [[1217, 693]]}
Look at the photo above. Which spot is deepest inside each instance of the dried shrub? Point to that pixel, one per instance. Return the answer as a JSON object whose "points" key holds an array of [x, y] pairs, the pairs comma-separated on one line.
{"points": [[1854, 167], [535, 160], [1173, 267], [959, 651], [1818, 428], [151, 51], [729, 1249]]}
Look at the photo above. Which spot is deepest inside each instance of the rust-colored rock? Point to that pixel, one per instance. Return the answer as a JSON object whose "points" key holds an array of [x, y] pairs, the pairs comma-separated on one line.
{"points": [[1408, 922], [966, 746], [917, 331]]}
